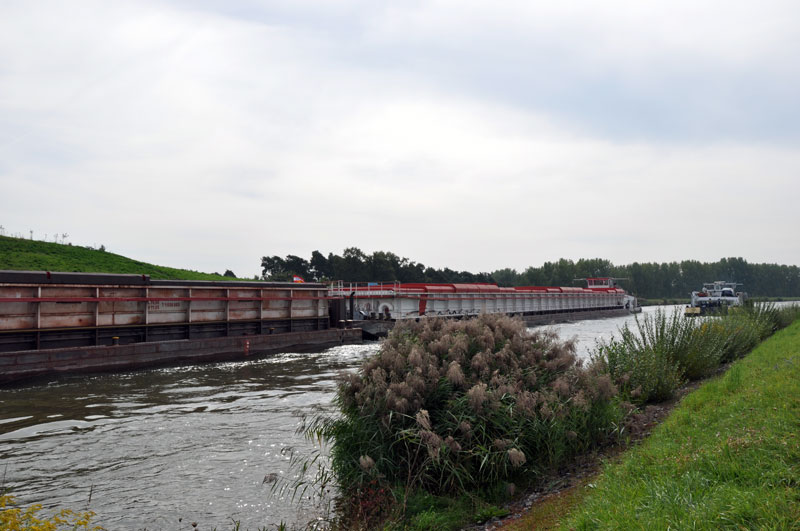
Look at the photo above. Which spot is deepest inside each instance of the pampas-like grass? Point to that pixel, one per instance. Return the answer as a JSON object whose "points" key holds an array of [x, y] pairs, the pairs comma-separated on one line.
{"points": [[450, 406]]}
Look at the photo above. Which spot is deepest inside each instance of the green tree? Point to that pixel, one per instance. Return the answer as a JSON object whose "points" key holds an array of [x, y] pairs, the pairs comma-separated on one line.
{"points": [[383, 266], [320, 267], [294, 265], [273, 267], [506, 277]]}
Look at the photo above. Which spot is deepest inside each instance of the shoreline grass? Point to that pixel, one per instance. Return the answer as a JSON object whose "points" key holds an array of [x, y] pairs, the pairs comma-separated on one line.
{"points": [[728, 456], [402, 456]]}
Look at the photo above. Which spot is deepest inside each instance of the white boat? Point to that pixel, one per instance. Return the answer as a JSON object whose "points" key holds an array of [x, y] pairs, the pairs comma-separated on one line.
{"points": [[715, 296]]}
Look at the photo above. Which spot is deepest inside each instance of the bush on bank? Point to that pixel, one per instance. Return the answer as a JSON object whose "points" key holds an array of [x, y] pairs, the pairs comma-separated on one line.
{"points": [[459, 410], [453, 407], [652, 359]]}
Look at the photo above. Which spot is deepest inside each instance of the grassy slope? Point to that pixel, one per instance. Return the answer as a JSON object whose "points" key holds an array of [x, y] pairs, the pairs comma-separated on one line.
{"points": [[729, 456], [33, 255]]}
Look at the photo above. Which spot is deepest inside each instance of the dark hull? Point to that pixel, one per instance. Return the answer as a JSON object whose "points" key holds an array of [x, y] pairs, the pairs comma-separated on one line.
{"points": [[21, 365]]}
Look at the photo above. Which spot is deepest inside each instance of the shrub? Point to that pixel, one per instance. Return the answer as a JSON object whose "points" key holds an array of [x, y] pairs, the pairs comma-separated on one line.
{"points": [[738, 333], [768, 317], [462, 406], [14, 517], [642, 375], [743, 329], [651, 361], [788, 314]]}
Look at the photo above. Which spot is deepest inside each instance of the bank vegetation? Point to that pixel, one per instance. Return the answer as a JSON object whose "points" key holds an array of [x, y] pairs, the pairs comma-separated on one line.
{"points": [[727, 457], [451, 418]]}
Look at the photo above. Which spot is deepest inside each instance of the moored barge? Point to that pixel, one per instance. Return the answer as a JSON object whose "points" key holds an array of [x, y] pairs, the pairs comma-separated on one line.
{"points": [[64, 322], [376, 307], [54, 322]]}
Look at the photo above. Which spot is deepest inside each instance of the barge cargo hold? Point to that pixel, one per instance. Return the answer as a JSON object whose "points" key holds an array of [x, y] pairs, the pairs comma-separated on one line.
{"points": [[376, 307], [68, 322]]}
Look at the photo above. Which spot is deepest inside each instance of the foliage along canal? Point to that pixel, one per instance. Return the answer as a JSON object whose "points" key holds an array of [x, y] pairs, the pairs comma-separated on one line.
{"points": [[200, 443]]}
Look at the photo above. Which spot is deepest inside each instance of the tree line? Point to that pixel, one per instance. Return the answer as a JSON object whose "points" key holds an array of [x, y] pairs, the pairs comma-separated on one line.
{"points": [[667, 280], [353, 265]]}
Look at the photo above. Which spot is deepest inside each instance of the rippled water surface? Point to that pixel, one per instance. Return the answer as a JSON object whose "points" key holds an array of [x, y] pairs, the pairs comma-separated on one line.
{"points": [[192, 442], [586, 334]]}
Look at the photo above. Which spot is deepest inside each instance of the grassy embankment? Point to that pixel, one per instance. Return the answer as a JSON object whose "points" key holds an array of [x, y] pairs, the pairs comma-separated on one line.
{"points": [[727, 457], [450, 417], [33, 255]]}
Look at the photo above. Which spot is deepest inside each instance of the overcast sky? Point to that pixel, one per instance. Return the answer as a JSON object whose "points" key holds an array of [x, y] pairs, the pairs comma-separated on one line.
{"points": [[472, 135]]}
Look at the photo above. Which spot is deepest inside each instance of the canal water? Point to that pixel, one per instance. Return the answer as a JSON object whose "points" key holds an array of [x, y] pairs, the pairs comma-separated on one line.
{"points": [[165, 448]]}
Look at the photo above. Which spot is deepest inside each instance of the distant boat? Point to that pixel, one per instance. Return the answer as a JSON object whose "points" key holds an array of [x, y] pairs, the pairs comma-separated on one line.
{"points": [[715, 297]]}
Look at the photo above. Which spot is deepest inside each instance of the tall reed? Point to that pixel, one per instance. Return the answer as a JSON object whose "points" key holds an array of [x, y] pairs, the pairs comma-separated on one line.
{"points": [[649, 361], [461, 406]]}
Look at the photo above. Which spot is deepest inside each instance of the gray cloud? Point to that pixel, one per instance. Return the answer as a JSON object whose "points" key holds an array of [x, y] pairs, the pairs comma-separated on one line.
{"points": [[456, 134]]}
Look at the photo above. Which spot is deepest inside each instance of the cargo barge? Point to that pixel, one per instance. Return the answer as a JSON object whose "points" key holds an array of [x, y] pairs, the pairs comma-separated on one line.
{"points": [[376, 307], [70, 322], [53, 323]]}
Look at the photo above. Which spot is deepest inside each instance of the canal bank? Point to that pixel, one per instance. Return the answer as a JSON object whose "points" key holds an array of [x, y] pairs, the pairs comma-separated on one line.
{"points": [[729, 447], [193, 441]]}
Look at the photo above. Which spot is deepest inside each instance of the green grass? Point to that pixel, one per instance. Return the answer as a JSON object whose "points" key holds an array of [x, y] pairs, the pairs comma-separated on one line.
{"points": [[728, 457], [442, 512], [458, 410], [33, 255]]}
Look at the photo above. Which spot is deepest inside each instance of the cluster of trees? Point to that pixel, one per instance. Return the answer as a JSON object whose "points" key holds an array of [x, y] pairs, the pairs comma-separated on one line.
{"points": [[355, 266], [668, 280]]}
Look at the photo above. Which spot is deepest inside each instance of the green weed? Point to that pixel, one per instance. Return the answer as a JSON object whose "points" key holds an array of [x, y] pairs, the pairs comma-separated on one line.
{"points": [[649, 361]]}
